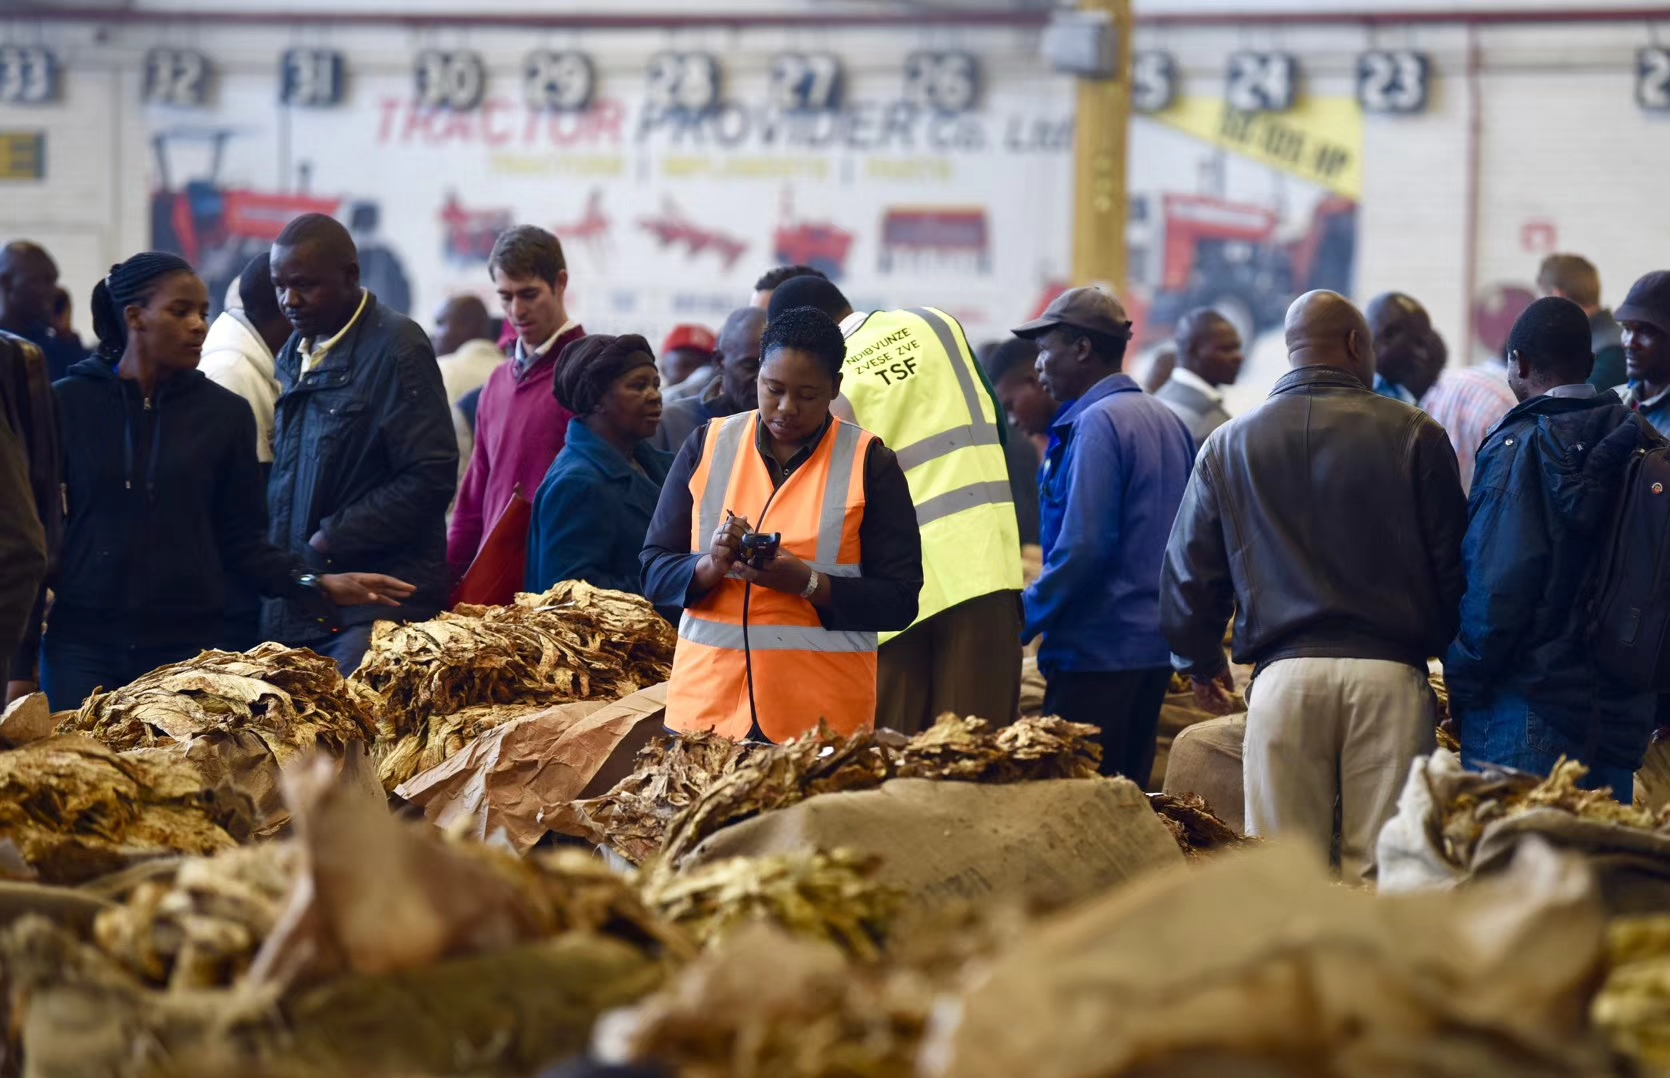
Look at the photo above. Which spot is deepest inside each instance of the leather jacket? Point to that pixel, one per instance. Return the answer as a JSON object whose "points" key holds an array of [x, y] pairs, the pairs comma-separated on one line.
{"points": [[1329, 520]]}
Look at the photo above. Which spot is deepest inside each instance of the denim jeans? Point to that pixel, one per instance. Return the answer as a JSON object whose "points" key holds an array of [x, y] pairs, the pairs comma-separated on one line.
{"points": [[70, 671], [1508, 733]]}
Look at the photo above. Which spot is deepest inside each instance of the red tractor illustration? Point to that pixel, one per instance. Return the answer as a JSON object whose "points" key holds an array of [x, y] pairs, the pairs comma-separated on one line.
{"points": [[939, 234], [218, 230], [821, 245], [1227, 255]]}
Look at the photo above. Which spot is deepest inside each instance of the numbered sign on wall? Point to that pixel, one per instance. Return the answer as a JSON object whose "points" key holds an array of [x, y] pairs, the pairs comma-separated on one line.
{"points": [[1153, 81], [1262, 81], [28, 75], [683, 82], [450, 80], [312, 78], [1652, 79], [806, 82], [943, 81], [559, 81], [177, 77], [1395, 80]]}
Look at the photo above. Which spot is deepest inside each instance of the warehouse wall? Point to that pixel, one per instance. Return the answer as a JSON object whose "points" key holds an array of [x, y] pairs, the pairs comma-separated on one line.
{"points": [[1566, 160]]}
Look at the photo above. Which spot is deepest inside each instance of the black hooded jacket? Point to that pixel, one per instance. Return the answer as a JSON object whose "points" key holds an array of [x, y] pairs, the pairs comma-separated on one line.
{"points": [[164, 496], [1544, 493]]}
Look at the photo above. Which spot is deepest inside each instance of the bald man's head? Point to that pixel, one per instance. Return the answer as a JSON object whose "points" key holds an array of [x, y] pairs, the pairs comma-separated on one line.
{"points": [[738, 356], [28, 284], [1408, 351], [461, 319], [1325, 330]]}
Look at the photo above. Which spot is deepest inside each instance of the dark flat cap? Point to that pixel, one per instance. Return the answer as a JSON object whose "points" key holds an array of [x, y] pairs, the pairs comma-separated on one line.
{"points": [[1648, 301], [1094, 310]]}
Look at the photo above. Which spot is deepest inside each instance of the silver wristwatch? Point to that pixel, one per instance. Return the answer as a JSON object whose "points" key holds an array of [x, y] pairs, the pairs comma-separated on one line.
{"points": [[812, 585]]}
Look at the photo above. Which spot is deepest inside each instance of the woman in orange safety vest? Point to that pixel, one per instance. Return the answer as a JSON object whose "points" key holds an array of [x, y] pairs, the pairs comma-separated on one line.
{"points": [[773, 640]]}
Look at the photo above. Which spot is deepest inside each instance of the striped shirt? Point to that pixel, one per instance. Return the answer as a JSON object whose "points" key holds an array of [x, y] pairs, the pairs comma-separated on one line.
{"points": [[1467, 403]]}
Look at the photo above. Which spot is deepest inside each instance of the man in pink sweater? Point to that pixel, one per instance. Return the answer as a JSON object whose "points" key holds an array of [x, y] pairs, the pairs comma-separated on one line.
{"points": [[520, 427]]}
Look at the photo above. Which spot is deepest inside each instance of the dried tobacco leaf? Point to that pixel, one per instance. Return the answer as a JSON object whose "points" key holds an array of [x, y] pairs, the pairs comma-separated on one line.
{"points": [[291, 698], [200, 926], [446, 681], [778, 776], [76, 810], [671, 773], [830, 896], [766, 1003], [1633, 1007], [1500, 794], [1192, 823]]}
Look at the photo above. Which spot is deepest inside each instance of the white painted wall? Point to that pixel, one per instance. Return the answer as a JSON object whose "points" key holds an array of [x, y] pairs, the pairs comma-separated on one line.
{"points": [[1563, 144]]}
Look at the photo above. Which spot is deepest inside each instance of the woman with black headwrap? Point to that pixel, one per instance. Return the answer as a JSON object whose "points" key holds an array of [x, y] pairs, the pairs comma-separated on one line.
{"points": [[596, 501], [164, 495]]}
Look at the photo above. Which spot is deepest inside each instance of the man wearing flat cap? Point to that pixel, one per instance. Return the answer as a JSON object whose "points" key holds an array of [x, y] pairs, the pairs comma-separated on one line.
{"points": [[1115, 473], [1645, 318]]}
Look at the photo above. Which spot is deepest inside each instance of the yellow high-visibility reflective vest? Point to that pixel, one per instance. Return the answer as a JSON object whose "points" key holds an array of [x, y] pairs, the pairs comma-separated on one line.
{"points": [[910, 378]]}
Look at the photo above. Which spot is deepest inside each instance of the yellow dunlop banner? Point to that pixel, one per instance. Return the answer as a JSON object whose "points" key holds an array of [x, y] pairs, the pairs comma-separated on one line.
{"points": [[1320, 139]]}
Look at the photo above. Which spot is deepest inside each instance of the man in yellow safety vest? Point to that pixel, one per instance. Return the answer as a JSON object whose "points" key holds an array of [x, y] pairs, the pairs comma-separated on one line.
{"points": [[911, 379]]}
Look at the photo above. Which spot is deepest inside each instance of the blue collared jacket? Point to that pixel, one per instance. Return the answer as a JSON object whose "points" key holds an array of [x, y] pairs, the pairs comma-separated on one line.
{"points": [[592, 512], [1113, 478]]}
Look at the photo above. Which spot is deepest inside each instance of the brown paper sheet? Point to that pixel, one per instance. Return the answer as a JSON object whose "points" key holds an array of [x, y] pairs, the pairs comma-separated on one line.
{"points": [[507, 778]]}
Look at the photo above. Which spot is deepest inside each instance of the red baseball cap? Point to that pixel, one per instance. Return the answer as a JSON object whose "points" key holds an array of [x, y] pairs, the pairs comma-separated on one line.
{"points": [[699, 338]]}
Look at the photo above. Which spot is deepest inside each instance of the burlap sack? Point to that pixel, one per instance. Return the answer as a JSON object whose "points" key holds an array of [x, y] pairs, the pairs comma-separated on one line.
{"points": [[1177, 714], [946, 843], [1205, 759], [1631, 866], [1258, 964]]}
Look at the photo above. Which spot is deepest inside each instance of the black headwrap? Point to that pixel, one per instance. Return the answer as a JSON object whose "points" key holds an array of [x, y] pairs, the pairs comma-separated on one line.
{"points": [[589, 366], [131, 282]]}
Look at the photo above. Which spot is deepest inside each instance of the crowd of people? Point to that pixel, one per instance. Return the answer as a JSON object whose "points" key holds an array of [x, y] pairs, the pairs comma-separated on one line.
{"points": [[831, 504]]}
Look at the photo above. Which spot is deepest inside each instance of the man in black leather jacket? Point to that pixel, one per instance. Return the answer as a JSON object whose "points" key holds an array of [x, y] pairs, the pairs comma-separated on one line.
{"points": [[365, 456], [1329, 520]]}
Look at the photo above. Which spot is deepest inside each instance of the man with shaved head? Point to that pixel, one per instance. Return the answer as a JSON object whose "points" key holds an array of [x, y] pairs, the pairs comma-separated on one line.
{"points": [[28, 291], [1328, 521], [1208, 358], [1408, 355], [365, 459], [735, 387]]}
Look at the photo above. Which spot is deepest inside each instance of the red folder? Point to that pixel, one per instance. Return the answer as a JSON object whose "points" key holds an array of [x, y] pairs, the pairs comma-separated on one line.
{"points": [[499, 568]]}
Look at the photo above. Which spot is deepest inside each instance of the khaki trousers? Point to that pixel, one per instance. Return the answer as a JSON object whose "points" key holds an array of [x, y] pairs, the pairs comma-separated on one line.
{"points": [[1321, 729]]}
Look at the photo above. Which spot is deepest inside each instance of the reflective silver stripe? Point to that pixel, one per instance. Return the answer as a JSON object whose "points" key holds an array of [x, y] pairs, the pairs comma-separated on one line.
{"points": [[828, 568], [942, 445], [730, 436], [965, 377], [717, 634], [969, 497], [833, 516]]}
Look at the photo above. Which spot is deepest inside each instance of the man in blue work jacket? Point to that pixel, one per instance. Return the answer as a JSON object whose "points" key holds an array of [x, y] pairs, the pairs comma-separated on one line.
{"points": [[1112, 481]]}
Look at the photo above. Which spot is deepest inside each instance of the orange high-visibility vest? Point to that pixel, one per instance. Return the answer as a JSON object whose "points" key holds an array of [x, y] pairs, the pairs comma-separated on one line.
{"points": [[801, 672]]}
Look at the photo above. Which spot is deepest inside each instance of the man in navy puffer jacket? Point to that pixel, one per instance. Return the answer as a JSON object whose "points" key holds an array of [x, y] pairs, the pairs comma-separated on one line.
{"points": [[1522, 685]]}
